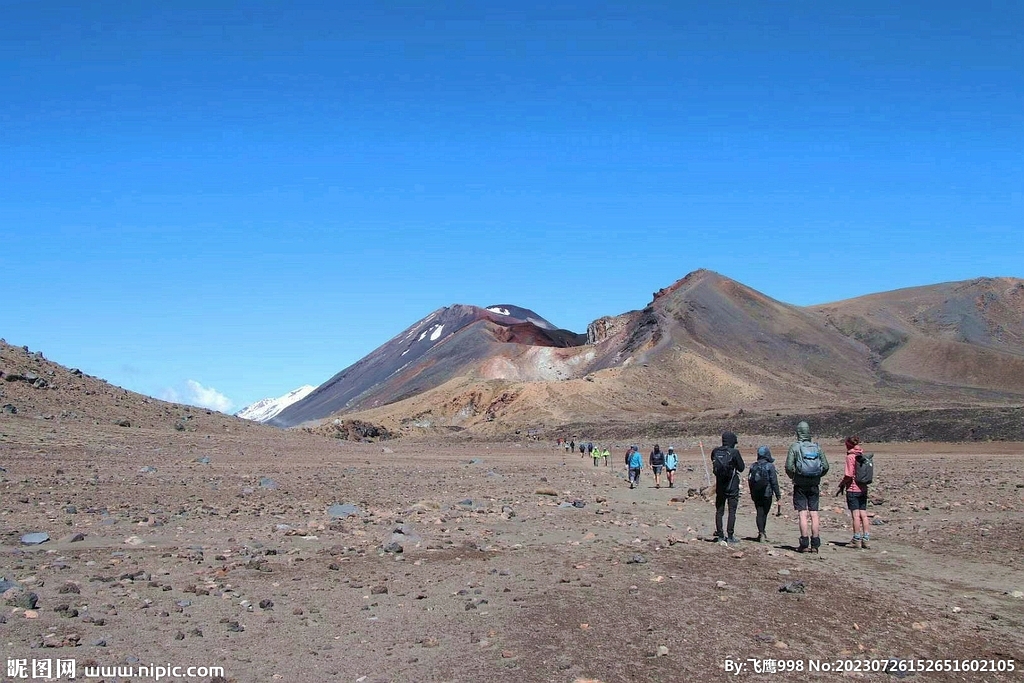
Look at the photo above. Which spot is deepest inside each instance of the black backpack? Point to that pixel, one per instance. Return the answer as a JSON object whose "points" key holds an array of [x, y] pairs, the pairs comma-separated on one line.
{"points": [[721, 461], [758, 480], [864, 470]]}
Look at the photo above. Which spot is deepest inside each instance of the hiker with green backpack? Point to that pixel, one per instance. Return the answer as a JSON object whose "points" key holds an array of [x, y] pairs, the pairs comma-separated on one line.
{"points": [[806, 465], [860, 471], [763, 482]]}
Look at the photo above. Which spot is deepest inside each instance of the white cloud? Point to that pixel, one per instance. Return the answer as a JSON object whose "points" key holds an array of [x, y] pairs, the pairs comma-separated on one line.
{"points": [[170, 395], [196, 394], [208, 397]]}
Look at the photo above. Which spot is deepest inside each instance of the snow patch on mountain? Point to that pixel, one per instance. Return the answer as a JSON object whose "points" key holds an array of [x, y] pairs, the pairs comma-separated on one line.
{"points": [[268, 408]]}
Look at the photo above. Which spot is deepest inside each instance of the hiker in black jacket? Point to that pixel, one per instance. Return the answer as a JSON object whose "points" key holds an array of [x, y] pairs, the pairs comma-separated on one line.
{"points": [[657, 465], [727, 464], [763, 482]]}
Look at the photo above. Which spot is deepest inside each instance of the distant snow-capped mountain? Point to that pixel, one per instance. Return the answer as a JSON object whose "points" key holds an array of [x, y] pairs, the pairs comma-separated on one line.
{"points": [[268, 408]]}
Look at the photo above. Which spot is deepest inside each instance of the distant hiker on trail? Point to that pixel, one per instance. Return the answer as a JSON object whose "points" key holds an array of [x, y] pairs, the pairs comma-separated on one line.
{"points": [[671, 464], [858, 474], [763, 482], [635, 463], [583, 449], [806, 465], [590, 448], [606, 456], [657, 462], [596, 454], [727, 464]]}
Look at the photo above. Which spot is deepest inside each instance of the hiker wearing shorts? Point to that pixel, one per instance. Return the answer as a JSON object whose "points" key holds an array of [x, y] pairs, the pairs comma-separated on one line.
{"points": [[727, 463], [763, 482], [657, 462], [671, 463], [606, 455], [806, 465], [856, 495]]}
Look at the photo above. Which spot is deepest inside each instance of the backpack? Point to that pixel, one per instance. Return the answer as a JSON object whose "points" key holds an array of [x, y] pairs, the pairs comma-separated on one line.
{"points": [[808, 460], [758, 480], [671, 461], [721, 461], [864, 470]]}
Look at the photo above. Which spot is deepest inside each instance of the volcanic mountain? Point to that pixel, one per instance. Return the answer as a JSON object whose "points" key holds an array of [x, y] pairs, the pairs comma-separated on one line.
{"points": [[705, 342], [454, 341]]}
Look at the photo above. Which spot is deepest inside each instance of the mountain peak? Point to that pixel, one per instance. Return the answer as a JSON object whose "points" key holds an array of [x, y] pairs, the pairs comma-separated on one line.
{"points": [[268, 408]]}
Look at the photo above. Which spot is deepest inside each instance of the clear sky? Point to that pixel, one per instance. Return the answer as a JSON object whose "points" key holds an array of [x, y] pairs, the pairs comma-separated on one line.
{"points": [[222, 203]]}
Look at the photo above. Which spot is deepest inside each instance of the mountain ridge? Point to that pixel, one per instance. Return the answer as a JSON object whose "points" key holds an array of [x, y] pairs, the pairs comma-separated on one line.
{"points": [[707, 342]]}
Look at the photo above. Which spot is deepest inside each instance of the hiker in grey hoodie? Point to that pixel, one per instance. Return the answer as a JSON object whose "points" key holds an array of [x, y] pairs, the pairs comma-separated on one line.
{"points": [[763, 482], [806, 465]]}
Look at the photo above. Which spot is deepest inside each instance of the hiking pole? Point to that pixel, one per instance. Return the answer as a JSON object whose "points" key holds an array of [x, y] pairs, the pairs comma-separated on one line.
{"points": [[703, 459]]}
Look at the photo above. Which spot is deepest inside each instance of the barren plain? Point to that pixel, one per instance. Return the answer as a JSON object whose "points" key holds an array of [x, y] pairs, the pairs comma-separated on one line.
{"points": [[219, 547]]}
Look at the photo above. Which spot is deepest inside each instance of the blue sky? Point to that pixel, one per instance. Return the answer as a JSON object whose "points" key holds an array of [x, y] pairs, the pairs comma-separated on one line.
{"points": [[253, 196]]}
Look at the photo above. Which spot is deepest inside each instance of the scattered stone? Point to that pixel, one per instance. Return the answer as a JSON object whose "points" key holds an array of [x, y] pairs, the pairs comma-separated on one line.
{"points": [[235, 627], [133, 540], [10, 409], [637, 559], [475, 461], [379, 590], [123, 423], [662, 651], [148, 469], [205, 460], [720, 584], [1017, 594], [35, 538], [792, 587], [266, 604], [268, 483], [343, 510], [783, 572], [70, 587], [19, 597], [393, 547], [546, 492], [579, 504], [98, 642]]}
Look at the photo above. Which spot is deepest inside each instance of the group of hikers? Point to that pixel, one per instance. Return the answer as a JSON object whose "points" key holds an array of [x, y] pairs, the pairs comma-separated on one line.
{"points": [[806, 464], [587, 449]]}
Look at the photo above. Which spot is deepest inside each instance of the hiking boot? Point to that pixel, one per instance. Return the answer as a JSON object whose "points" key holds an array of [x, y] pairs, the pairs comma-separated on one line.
{"points": [[864, 545], [732, 540], [855, 543], [672, 486]]}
